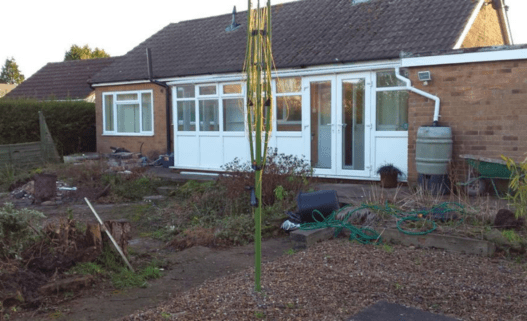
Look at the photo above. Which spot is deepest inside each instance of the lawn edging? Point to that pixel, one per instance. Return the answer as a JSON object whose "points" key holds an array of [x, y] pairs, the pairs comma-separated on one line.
{"points": [[307, 238]]}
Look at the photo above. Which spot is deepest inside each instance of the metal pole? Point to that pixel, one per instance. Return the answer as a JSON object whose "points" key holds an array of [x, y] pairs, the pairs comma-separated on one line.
{"points": [[109, 235]]}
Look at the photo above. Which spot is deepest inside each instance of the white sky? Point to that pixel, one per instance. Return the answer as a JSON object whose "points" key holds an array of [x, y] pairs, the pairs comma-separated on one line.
{"points": [[36, 32]]}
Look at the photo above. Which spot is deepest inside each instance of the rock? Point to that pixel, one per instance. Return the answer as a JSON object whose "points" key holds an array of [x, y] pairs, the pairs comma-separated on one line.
{"points": [[18, 195], [48, 203], [506, 219], [29, 187], [154, 198]]}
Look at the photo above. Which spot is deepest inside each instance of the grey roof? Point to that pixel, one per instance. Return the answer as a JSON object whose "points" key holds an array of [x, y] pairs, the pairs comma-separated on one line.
{"points": [[61, 80], [305, 33]]}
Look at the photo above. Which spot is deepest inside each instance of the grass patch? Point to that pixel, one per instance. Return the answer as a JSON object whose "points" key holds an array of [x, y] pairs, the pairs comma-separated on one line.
{"points": [[511, 236], [86, 268]]}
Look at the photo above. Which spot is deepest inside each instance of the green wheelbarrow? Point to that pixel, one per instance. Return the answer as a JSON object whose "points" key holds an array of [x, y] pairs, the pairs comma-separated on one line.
{"points": [[485, 173]]}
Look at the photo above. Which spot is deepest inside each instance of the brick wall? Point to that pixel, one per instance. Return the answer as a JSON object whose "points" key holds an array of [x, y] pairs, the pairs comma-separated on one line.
{"points": [[484, 103], [486, 30], [156, 143]]}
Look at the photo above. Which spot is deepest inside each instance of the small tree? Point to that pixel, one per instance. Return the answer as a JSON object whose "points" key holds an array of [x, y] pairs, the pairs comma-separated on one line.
{"points": [[80, 53], [10, 73]]}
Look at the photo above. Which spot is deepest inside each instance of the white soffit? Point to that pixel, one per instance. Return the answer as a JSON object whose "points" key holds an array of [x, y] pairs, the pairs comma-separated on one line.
{"points": [[466, 58]]}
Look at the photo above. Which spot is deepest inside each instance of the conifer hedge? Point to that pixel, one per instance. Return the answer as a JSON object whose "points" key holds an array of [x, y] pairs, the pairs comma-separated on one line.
{"points": [[71, 123]]}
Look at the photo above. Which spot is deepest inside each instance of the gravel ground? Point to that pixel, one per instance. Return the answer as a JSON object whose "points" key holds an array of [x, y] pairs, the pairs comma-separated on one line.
{"points": [[336, 279]]}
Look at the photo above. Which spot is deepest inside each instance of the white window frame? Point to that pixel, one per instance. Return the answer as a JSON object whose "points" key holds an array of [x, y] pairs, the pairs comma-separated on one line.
{"points": [[139, 101], [219, 97], [386, 128], [276, 94]]}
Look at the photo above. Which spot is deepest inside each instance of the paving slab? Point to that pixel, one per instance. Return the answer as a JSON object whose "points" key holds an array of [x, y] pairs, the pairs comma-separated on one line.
{"points": [[360, 193], [384, 311]]}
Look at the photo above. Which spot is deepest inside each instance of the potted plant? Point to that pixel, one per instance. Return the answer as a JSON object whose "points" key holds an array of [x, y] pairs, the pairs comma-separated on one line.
{"points": [[389, 174]]}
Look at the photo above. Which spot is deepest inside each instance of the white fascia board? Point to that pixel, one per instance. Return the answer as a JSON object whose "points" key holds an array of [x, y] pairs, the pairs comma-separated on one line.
{"points": [[469, 24], [121, 83], [312, 71], [466, 58]]}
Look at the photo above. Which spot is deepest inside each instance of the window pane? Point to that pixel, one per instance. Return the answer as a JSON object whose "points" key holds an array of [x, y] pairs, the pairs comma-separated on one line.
{"points": [[388, 79], [121, 97], [289, 113], [232, 89], [185, 91], [186, 116], [392, 110], [288, 85], [207, 90], [128, 118], [146, 111], [108, 112], [233, 118], [209, 120]]}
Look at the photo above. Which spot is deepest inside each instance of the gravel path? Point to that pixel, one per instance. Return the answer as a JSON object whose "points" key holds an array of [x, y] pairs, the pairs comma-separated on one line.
{"points": [[336, 279]]}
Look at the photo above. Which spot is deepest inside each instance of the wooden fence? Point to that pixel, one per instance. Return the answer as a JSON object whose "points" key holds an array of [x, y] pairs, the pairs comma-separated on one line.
{"points": [[30, 154]]}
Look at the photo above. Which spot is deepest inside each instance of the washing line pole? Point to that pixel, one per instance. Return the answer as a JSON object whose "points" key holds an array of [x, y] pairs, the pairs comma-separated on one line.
{"points": [[259, 110]]}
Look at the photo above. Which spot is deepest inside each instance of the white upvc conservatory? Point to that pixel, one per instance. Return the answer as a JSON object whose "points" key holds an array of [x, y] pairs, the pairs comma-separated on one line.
{"points": [[346, 121]]}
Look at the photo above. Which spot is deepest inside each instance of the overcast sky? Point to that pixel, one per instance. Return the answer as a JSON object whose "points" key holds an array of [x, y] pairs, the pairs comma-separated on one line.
{"points": [[36, 32]]}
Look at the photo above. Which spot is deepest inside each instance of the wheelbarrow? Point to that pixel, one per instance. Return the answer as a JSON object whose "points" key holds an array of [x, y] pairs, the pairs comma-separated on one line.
{"points": [[485, 172]]}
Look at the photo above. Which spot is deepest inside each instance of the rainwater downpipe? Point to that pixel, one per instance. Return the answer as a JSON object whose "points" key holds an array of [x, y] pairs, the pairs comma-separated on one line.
{"points": [[422, 93], [167, 88]]}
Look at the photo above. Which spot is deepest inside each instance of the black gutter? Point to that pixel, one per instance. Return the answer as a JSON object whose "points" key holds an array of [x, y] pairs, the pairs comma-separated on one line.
{"points": [[167, 88]]}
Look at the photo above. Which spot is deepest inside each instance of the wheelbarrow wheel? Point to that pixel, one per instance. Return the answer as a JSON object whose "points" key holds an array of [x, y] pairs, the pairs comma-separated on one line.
{"points": [[477, 187]]}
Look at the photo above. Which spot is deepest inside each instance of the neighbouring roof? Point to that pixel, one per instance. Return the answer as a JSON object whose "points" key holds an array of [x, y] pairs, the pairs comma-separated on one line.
{"points": [[61, 80], [305, 33]]}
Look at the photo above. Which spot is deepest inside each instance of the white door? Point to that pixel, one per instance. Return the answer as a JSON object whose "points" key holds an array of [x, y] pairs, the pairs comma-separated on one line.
{"points": [[320, 126], [353, 128], [339, 124]]}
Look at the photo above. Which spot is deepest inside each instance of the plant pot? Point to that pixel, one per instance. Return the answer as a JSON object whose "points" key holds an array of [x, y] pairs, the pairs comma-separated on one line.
{"points": [[389, 180]]}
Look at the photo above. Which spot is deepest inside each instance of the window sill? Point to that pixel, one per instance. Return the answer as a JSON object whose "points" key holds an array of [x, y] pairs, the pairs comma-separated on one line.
{"points": [[128, 134]]}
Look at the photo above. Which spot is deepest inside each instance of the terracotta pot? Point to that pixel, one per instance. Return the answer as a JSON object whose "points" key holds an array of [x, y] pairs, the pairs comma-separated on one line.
{"points": [[389, 180]]}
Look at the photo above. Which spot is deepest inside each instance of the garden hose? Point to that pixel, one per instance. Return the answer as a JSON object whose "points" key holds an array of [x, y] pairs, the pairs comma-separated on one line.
{"points": [[366, 235]]}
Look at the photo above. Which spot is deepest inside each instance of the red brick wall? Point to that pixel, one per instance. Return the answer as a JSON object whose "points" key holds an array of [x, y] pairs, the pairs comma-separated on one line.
{"points": [[486, 30], [484, 103], [156, 143]]}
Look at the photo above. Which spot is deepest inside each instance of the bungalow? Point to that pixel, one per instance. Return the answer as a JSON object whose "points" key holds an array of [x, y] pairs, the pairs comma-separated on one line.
{"points": [[67, 80], [343, 97]]}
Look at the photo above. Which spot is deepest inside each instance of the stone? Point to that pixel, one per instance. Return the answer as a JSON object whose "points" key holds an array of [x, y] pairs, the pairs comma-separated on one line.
{"points": [[304, 238], [48, 203], [19, 194], [154, 198], [505, 219], [29, 187]]}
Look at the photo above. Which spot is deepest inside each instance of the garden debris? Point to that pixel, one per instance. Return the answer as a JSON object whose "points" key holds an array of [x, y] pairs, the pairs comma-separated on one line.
{"points": [[505, 219], [29, 191], [45, 187], [69, 284]]}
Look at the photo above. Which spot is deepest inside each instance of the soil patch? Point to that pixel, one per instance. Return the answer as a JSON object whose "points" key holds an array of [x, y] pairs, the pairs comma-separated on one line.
{"points": [[182, 271]]}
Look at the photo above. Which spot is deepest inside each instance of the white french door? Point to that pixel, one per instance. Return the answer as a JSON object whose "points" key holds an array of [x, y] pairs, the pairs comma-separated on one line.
{"points": [[339, 124]]}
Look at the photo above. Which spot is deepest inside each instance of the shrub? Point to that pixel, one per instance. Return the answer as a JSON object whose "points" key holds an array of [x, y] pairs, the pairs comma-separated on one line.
{"points": [[17, 230], [290, 172], [518, 186], [71, 123]]}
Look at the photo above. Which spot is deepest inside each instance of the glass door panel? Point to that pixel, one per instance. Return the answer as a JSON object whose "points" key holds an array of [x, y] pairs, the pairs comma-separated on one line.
{"points": [[353, 109], [321, 125]]}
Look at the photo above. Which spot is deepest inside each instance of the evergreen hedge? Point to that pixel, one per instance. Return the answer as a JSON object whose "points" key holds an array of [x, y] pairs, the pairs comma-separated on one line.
{"points": [[71, 123]]}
